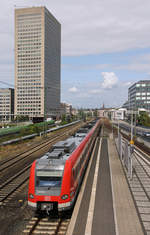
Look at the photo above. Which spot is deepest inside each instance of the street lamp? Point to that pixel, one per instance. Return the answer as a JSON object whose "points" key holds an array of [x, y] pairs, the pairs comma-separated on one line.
{"points": [[118, 128], [131, 126], [131, 130]]}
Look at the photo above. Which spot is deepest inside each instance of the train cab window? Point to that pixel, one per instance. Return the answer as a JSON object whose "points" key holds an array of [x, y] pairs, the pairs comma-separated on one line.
{"points": [[49, 181], [49, 178]]}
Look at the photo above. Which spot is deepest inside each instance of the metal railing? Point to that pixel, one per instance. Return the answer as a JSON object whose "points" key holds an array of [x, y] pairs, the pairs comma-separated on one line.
{"points": [[126, 153]]}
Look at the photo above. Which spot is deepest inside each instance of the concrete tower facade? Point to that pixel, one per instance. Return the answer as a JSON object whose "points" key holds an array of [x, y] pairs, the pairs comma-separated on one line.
{"points": [[37, 62]]}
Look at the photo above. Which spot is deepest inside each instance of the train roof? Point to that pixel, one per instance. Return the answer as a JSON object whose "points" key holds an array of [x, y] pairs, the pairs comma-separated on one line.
{"points": [[56, 157], [60, 152]]}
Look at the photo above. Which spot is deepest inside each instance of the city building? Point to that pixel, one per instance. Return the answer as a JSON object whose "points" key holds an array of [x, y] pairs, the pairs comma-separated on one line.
{"points": [[37, 63], [126, 105], [74, 112], [139, 95], [66, 109], [101, 111], [6, 104], [117, 114]]}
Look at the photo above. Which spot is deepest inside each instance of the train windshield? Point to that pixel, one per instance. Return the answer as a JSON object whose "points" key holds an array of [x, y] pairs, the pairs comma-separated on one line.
{"points": [[49, 181], [49, 178]]}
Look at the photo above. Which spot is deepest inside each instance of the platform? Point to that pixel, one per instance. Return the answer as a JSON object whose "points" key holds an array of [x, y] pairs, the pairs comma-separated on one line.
{"points": [[105, 205]]}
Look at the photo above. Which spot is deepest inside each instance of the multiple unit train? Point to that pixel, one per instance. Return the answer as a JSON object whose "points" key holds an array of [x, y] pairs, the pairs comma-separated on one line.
{"points": [[55, 178]]}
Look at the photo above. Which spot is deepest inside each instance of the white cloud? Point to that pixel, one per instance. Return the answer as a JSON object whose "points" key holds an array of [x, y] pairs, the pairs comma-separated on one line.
{"points": [[108, 25], [140, 63], [127, 84], [95, 91], [110, 80], [91, 27], [88, 27], [84, 66], [138, 67], [92, 94], [73, 89]]}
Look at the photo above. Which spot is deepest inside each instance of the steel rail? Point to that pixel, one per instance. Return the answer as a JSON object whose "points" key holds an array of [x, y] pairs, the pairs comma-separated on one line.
{"points": [[30, 151], [46, 225], [2, 162], [13, 183]]}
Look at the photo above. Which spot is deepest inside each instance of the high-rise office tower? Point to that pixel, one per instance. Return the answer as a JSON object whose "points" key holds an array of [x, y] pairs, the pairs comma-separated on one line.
{"points": [[37, 62], [139, 95]]}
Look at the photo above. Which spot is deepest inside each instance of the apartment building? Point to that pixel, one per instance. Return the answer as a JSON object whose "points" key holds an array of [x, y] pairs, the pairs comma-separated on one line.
{"points": [[37, 62], [66, 108], [6, 104]]}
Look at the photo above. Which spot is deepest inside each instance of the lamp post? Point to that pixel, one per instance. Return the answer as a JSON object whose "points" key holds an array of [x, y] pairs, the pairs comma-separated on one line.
{"points": [[131, 129], [118, 128], [112, 130], [132, 126], [135, 125]]}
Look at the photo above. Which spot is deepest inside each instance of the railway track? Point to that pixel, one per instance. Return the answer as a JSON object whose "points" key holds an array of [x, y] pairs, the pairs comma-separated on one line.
{"points": [[10, 184], [15, 159], [48, 225], [140, 146], [26, 154], [9, 167], [12, 192]]}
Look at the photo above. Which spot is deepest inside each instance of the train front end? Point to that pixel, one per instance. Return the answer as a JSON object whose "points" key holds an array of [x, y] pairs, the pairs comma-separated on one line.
{"points": [[45, 187]]}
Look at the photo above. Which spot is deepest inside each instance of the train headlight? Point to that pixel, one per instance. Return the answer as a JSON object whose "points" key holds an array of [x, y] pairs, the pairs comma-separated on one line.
{"points": [[31, 196], [64, 197]]}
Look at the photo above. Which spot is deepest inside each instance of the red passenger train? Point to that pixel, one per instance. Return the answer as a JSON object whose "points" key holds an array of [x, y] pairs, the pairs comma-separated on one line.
{"points": [[55, 178]]}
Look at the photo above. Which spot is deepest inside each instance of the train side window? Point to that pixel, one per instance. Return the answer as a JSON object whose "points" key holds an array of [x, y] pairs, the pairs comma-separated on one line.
{"points": [[78, 167], [85, 153], [73, 172], [81, 159], [86, 150], [37, 181]]}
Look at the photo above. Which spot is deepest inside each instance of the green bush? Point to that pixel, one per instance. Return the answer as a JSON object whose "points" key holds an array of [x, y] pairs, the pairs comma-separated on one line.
{"points": [[143, 119], [63, 123], [25, 130]]}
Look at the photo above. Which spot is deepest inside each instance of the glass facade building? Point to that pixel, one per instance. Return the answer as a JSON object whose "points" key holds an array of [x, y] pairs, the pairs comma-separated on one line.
{"points": [[139, 95], [37, 62]]}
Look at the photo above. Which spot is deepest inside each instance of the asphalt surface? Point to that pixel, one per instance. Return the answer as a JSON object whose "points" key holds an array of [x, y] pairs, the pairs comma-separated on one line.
{"points": [[103, 217], [81, 220]]}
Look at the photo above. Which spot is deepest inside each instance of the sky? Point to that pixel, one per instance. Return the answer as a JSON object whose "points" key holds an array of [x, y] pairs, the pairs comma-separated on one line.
{"points": [[105, 47]]}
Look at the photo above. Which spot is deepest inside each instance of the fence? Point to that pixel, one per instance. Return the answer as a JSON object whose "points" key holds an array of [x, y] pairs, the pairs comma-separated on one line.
{"points": [[34, 135], [125, 151]]}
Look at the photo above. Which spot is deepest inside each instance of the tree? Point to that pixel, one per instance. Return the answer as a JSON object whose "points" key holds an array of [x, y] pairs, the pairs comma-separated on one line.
{"points": [[21, 118], [68, 118], [95, 113], [63, 118], [82, 114], [143, 119]]}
